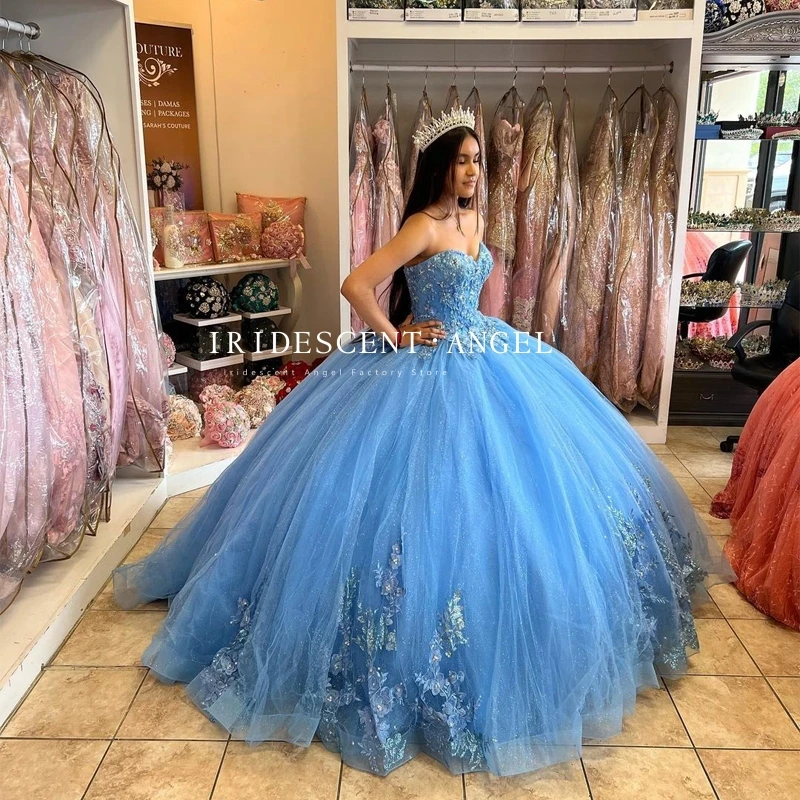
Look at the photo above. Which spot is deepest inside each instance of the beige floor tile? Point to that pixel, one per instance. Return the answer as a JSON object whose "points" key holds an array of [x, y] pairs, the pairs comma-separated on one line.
{"points": [[674, 465], [733, 712], [76, 703], [148, 542], [174, 511], [105, 601], [788, 690], [707, 466], [110, 639], [31, 769], [634, 773], [714, 485], [718, 527], [164, 711], [690, 435], [660, 449], [753, 774], [733, 604], [721, 652], [157, 771], [279, 770], [654, 723], [707, 610], [421, 777], [560, 782], [720, 539], [697, 494], [775, 648], [720, 433], [195, 492]]}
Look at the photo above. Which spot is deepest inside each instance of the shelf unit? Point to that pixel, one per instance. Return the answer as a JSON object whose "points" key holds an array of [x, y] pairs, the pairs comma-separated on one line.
{"points": [[645, 42]]}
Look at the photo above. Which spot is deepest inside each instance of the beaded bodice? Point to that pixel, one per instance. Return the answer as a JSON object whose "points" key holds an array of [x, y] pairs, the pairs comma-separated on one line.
{"points": [[447, 286]]}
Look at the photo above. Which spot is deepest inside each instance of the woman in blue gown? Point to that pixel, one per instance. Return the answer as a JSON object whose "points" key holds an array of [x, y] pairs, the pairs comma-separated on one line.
{"points": [[445, 539]]}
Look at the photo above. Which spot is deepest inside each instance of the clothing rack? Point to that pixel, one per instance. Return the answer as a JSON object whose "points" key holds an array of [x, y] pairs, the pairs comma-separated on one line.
{"points": [[544, 68], [9, 26]]}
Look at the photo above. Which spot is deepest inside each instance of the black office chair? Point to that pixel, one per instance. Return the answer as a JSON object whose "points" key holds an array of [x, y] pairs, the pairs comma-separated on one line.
{"points": [[758, 372], [723, 265]]}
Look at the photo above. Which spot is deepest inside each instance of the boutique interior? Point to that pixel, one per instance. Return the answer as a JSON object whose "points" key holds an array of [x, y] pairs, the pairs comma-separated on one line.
{"points": [[305, 115]]}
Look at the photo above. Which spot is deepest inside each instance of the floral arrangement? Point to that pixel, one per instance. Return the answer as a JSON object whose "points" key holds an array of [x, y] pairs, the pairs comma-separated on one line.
{"points": [[165, 174], [216, 391], [199, 380], [770, 293], [746, 219], [257, 400], [704, 294], [282, 239], [707, 117], [226, 424], [784, 118], [184, 418]]}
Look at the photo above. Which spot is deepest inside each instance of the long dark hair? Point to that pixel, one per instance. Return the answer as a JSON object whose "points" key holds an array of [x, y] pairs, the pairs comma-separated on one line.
{"points": [[433, 181]]}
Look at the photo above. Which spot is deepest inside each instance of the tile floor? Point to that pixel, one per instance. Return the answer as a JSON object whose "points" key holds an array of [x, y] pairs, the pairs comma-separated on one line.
{"points": [[96, 726]]}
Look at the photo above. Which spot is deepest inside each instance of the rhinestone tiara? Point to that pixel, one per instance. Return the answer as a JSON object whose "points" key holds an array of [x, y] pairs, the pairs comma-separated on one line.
{"points": [[457, 118]]}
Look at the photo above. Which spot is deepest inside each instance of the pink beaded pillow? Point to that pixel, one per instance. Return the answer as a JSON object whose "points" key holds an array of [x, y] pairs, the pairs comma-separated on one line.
{"points": [[235, 237], [195, 236], [282, 224]]}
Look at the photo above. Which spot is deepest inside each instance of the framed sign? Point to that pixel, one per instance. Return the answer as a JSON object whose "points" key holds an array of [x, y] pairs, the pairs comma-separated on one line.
{"points": [[169, 114]]}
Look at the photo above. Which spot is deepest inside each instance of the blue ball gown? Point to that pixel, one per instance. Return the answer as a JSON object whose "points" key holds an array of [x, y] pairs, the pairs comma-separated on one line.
{"points": [[466, 553]]}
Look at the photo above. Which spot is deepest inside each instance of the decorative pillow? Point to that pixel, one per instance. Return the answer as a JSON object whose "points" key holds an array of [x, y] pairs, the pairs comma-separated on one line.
{"points": [[184, 418], [235, 237], [226, 424], [196, 237], [782, 5], [282, 224], [740, 10], [250, 330], [205, 298], [255, 293], [715, 16]]}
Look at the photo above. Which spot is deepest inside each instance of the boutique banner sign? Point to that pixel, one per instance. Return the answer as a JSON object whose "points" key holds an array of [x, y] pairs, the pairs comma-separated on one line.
{"points": [[169, 113]]}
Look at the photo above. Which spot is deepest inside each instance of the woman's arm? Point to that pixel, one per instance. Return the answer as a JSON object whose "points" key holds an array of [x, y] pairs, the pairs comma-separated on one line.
{"points": [[359, 286]]}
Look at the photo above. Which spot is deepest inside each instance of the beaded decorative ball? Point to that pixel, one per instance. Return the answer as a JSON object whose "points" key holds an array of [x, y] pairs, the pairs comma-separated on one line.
{"points": [[251, 328], [184, 418], [226, 424], [205, 298], [255, 293]]}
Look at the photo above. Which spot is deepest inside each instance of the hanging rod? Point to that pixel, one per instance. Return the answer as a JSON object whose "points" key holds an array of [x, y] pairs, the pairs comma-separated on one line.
{"points": [[513, 68], [29, 29]]}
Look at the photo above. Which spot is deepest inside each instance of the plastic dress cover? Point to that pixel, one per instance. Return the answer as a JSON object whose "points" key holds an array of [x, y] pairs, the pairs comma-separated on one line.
{"points": [[473, 103], [388, 187], [504, 160], [362, 194], [422, 119], [535, 207], [625, 313], [595, 251], [551, 300], [664, 206], [452, 100]]}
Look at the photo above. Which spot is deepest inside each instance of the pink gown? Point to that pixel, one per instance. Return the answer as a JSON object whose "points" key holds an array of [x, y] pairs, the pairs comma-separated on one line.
{"points": [[362, 195], [473, 102], [504, 160]]}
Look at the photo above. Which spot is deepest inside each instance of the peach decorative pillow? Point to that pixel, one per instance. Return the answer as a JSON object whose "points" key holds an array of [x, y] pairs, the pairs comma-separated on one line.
{"points": [[282, 224], [235, 237], [195, 236]]}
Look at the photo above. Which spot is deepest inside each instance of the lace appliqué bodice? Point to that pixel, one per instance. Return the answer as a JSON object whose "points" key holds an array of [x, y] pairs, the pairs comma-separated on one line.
{"points": [[446, 287]]}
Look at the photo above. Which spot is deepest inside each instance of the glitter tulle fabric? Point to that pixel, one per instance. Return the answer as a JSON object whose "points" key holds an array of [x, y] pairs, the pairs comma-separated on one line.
{"points": [[762, 501], [466, 553]]}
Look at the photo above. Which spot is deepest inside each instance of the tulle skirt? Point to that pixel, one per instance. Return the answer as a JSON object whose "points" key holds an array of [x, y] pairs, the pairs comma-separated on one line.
{"points": [[468, 554], [762, 500]]}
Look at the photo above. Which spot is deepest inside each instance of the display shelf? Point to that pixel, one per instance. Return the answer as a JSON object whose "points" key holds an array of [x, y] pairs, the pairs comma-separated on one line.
{"points": [[177, 369], [204, 323], [742, 230], [641, 30], [212, 363], [263, 355], [278, 312], [197, 270]]}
